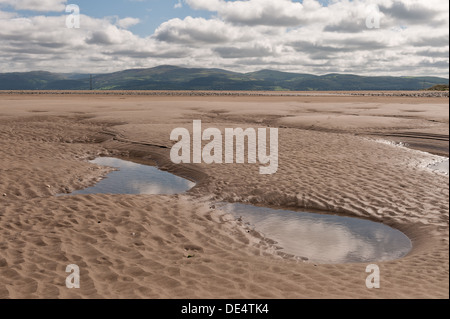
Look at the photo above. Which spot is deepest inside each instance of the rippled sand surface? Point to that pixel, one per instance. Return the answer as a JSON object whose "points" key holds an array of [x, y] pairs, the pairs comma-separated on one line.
{"points": [[338, 154]]}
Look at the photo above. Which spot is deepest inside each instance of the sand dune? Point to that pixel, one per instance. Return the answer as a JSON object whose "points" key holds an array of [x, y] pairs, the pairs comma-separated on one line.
{"points": [[180, 246]]}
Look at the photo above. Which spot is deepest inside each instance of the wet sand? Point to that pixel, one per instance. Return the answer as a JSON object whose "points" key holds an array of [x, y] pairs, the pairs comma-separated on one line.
{"points": [[332, 160]]}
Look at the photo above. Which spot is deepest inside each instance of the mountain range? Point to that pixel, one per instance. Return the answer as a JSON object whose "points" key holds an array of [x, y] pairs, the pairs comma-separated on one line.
{"points": [[178, 78]]}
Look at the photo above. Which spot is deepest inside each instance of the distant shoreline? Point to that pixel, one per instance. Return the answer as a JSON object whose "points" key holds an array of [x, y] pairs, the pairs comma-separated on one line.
{"points": [[431, 94]]}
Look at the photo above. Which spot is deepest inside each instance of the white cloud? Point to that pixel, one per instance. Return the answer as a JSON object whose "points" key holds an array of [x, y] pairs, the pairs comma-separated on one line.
{"points": [[36, 5], [198, 31], [128, 22], [254, 12], [413, 39], [7, 15], [178, 5]]}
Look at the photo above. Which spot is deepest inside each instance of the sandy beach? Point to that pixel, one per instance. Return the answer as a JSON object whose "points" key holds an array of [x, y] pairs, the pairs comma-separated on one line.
{"points": [[338, 154]]}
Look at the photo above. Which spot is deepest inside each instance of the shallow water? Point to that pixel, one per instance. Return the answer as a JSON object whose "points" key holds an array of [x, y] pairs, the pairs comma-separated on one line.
{"points": [[442, 166], [132, 178], [325, 238], [320, 238]]}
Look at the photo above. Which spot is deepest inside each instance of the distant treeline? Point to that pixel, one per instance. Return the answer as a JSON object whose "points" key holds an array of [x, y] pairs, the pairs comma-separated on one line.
{"points": [[439, 87]]}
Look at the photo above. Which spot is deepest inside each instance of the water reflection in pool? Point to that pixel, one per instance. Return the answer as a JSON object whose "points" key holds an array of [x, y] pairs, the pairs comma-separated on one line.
{"points": [[133, 178], [320, 238], [325, 238]]}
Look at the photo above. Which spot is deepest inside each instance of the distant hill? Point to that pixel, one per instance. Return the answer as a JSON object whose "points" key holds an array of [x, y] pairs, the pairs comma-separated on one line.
{"points": [[177, 78], [40, 80]]}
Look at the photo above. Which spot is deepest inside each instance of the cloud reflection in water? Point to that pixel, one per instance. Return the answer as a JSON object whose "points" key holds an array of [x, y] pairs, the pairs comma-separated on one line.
{"points": [[325, 238], [133, 178]]}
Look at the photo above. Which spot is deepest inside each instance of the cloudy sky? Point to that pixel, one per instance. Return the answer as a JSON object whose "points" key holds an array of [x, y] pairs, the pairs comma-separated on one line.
{"points": [[309, 36]]}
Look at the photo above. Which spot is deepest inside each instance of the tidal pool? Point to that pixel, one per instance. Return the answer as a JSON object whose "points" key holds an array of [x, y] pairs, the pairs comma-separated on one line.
{"points": [[134, 179], [325, 239], [320, 238]]}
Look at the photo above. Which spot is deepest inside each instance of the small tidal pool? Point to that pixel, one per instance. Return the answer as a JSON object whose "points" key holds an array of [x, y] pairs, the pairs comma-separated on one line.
{"points": [[136, 179], [326, 239]]}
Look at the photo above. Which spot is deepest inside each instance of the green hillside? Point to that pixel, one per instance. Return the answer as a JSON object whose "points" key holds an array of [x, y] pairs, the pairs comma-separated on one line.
{"points": [[177, 78]]}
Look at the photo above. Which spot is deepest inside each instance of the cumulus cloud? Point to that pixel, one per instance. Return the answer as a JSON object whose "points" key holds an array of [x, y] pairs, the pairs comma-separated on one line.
{"points": [[128, 22], [45, 43], [254, 50], [413, 38], [254, 12], [414, 12], [196, 31]]}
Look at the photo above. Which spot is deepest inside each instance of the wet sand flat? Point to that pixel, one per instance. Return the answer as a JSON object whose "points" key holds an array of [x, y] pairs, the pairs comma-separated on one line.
{"points": [[333, 158]]}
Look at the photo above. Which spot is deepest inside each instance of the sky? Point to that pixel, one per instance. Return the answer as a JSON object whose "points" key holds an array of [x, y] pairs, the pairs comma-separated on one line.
{"points": [[365, 37]]}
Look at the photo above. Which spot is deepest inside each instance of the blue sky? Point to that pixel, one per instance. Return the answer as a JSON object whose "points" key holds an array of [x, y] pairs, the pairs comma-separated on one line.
{"points": [[410, 38]]}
